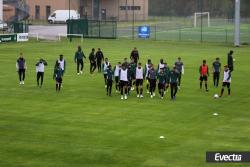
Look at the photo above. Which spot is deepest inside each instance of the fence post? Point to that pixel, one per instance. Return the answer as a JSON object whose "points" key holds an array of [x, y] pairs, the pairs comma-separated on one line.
{"points": [[133, 23], [226, 36], [155, 32], [99, 28], [71, 29], [113, 28], [179, 34], [92, 29]]}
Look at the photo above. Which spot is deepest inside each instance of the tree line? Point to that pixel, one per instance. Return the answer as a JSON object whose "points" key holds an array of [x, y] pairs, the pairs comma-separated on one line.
{"points": [[217, 8]]}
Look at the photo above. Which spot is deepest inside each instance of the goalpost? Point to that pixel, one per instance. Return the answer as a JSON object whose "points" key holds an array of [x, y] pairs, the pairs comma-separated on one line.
{"points": [[1, 10], [198, 14], [66, 35]]}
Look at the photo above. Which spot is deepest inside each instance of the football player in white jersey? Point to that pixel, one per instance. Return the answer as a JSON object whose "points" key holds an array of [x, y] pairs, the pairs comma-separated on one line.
{"points": [[226, 81], [160, 65], [123, 78], [104, 69], [147, 68], [62, 63], [116, 70], [139, 76], [40, 71]]}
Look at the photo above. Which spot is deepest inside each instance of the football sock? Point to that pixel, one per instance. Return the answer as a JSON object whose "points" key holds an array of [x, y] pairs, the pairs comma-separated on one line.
{"points": [[222, 91]]}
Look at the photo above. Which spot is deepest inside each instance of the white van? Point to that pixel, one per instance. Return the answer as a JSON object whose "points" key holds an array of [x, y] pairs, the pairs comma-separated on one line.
{"points": [[61, 16], [3, 26]]}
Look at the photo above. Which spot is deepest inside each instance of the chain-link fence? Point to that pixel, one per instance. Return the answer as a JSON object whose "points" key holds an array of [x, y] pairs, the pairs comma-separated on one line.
{"points": [[185, 31], [192, 20], [92, 28], [175, 20]]}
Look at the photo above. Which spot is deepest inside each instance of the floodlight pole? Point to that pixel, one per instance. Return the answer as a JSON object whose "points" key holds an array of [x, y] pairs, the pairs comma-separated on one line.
{"points": [[237, 23], [208, 19], [201, 8], [133, 20], [195, 20], [1, 9], [69, 9], [69, 23], [126, 14]]}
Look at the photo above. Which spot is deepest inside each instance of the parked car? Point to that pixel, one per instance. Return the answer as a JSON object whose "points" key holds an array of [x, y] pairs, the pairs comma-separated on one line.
{"points": [[3, 25], [61, 16]]}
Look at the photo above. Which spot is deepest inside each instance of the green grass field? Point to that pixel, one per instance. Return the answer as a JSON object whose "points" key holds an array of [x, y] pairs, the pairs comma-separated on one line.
{"points": [[181, 29], [82, 127]]}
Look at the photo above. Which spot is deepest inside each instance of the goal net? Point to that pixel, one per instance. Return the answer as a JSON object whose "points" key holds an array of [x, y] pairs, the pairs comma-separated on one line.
{"points": [[204, 17]]}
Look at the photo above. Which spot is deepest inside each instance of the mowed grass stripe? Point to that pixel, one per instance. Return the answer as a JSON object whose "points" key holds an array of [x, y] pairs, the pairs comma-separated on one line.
{"points": [[83, 127]]}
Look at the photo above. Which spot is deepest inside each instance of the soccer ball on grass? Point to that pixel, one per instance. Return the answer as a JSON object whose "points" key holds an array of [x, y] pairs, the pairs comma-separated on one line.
{"points": [[216, 96]]}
